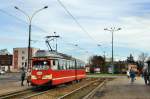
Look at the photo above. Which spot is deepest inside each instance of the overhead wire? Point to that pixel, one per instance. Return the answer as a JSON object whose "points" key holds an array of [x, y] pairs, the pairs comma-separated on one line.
{"points": [[5, 12], [76, 21], [76, 46], [34, 41]]}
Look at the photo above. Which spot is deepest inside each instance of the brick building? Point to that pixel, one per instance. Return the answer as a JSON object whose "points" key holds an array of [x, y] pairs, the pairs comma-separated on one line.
{"points": [[20, 57]]}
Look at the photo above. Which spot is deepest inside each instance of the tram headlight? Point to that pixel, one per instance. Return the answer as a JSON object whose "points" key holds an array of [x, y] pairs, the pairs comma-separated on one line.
{"points": [[47, 77], [33, 77]]}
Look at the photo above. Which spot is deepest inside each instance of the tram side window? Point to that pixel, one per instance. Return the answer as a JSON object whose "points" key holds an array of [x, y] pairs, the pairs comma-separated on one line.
{"points": [[79, 65], [72, 64], [82, 65], [62, 65], [67, 64], [54, 64]]}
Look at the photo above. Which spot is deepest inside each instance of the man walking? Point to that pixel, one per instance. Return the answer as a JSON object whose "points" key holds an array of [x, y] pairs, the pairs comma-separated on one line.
{"points": [[145, 74], [23, 74]]}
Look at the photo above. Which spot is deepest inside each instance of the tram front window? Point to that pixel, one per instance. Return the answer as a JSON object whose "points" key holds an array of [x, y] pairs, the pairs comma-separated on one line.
{"points": [[41, 65]]}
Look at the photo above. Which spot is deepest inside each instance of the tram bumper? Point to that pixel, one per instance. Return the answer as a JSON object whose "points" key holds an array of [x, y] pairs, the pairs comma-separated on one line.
{"points": [[40, 80]]}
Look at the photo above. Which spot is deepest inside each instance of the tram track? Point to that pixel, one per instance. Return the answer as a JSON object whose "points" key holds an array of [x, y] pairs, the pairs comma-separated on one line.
{"points": [[14, 94], [69, 91], [85, 91], [22, 94]]}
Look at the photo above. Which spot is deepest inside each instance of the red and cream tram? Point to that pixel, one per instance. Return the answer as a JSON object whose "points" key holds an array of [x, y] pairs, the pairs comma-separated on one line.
{"points": [[52, 68]]}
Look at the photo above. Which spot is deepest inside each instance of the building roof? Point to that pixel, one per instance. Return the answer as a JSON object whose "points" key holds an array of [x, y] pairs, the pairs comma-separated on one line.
{"points": [[4, 52]]}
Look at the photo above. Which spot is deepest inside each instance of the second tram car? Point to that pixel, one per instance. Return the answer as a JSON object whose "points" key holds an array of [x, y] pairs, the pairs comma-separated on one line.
{"points": [[52, 68]]}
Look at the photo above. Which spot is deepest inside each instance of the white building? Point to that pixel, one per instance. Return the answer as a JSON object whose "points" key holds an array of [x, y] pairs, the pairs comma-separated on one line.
{"points": [[20, 57]]}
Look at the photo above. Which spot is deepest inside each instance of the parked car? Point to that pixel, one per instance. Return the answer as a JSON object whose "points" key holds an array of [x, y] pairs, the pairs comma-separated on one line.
{"points": [[2, 72]]}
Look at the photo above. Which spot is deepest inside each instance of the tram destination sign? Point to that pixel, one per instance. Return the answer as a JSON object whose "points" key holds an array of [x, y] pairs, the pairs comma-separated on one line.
{"points": [[5, 60]]}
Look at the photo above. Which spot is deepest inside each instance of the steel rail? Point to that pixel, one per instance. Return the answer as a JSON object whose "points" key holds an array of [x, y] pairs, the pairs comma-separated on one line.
{"points": [[16, 93], [21, 93], [89, 96], [74, 91]]}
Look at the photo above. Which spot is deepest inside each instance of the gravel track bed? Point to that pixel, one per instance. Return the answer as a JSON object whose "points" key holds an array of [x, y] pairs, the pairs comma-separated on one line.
{"points": [[59, 91], [63, 89]]}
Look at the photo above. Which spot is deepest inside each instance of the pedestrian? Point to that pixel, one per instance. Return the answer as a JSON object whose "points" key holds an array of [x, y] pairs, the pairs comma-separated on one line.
{"points": [[128, 73], [145, 74], [132, 75], [28, 78], [23, 74]]}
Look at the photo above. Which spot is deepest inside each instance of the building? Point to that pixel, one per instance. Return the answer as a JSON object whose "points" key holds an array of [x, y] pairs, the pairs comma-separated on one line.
{"points": [[5, 60], [20, 57], [133, 66]]}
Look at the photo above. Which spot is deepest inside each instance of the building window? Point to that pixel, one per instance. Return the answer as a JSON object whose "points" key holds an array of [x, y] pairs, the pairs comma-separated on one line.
{"points": [[23, 58], [23, 52], [22, 63]]}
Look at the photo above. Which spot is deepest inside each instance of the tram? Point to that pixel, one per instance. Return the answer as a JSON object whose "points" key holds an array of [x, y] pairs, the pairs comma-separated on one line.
{"points": [[53, 68]]}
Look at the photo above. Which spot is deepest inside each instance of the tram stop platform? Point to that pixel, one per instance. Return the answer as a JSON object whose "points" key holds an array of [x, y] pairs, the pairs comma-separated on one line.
{"points": [[121, 88], [7, 87]]}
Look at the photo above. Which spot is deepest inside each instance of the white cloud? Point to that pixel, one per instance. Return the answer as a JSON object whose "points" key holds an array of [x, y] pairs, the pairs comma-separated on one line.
{"points": [[93, 15]]}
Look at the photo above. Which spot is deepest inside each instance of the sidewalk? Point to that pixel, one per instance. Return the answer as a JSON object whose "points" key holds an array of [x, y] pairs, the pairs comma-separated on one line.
{"points": [[121, 88], [12, 87]]}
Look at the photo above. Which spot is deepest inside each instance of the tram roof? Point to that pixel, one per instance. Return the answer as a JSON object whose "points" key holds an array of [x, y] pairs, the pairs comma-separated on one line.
{"points": [[51, 54]]}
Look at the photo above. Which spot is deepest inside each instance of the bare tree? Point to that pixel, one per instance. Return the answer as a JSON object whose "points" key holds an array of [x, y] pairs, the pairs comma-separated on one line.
{"points": [[142, 58]]}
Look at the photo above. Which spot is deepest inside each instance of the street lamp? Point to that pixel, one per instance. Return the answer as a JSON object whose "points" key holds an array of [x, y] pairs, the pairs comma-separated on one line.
{"points": [[30, 21], [112, 30]]}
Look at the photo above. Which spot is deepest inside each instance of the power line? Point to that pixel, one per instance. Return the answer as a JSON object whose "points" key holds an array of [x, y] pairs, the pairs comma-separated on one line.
{"points": [[76, 46], [5, 12], [76, 21]]}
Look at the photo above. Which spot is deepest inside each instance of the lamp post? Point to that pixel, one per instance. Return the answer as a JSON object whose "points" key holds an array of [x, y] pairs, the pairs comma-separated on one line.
{"points": [[112, 30], [30, 23]]}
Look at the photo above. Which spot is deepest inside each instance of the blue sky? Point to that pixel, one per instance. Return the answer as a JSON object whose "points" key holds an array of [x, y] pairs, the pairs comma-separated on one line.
{"points": [[94, 15]]}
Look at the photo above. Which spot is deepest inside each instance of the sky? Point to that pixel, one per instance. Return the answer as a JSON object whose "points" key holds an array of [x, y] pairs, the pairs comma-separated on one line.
{"points": [[132, 16]]}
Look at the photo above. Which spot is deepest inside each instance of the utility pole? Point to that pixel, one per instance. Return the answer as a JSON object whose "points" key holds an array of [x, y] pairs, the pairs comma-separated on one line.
{"points": [[112, 30], [30, 24], [104, 55]]}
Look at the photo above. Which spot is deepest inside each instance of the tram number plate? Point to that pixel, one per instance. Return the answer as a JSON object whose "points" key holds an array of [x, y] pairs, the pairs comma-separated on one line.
{"points": [[39, 73]]}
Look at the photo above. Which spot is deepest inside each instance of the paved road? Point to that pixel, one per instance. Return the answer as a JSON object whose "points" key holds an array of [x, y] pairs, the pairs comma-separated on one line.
{"points": [[11, 82], [121, 88], [9, 78]]}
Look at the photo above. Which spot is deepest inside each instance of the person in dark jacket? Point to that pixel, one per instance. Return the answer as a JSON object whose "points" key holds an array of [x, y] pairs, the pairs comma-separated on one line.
{"points": [[23, 74], [146, 74]]}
